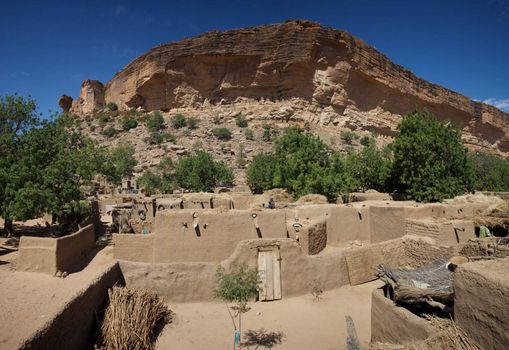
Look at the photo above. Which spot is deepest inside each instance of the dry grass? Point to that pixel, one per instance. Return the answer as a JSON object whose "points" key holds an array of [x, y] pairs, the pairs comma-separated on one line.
{"points": [[494, 204], [133, 319], [281, 197], [312, 199], [448, 336]]}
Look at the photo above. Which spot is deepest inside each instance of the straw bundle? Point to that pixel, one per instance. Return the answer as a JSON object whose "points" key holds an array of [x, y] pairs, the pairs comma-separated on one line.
{"points": [[448, 336], [132, 319]]}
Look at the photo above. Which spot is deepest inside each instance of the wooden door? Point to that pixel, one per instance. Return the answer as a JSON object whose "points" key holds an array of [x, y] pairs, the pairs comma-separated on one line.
{"points": [[269, 268]]}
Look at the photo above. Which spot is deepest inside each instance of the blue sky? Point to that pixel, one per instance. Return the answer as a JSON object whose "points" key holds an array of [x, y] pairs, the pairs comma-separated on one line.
{"points": [[48, 48]]}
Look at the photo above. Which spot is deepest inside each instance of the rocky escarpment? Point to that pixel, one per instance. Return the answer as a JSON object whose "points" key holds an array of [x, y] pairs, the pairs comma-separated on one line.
{"points": [[303, 71]]}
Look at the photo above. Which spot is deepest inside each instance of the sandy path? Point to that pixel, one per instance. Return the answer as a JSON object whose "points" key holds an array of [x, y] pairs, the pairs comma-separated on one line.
{"points": [[29, 300], [307, 324]]}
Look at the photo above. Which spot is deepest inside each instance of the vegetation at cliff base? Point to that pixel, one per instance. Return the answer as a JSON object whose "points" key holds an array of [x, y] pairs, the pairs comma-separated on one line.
{"points": [[196, 172], [200, 172], [427, 161], [430, 161], [491, 172]]}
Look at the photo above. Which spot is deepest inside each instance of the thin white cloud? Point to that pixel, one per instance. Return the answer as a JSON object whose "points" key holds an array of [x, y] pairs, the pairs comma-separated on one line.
{"points": [[120, 10], [502, 104], [21, 74]]}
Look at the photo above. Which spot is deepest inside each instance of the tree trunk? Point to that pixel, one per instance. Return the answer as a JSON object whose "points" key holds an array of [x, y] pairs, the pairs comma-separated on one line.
{"points": [[8, 228], [240, 330]]}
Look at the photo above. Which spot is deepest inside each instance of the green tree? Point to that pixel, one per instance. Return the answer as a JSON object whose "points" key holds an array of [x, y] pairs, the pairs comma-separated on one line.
{"points": [[155, 138], [166, 169], [192, 123], [200, 172], [178, 121], [155, 121], [241, 121], [17, 116], [492, 172], [222, 133], [349, 136], [240, 159], [260, 172], [366, 141], [104, 119], [237, 287], [149, 182], [302, 163], [249, 134], [267, 132], [109, 131], [369, 168], [52, 163], [129, 123], [119, 162], [430, 161], [112, 106]]}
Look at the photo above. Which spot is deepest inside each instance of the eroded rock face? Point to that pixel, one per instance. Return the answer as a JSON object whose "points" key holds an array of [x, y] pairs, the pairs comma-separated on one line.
{"points": [[326, 73], [65, 102], [91, 98]]}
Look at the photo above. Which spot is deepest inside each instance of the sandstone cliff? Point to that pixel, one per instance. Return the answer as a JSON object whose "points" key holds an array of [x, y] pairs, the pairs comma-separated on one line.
{"points": [[298, 71]]}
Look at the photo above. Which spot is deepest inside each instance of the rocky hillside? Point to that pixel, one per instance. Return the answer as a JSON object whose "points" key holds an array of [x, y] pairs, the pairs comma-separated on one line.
{"points": [[295, 72]]}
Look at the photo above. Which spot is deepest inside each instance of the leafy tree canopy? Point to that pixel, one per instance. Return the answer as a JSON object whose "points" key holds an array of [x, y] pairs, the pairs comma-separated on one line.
{"points": [[302, 163], [46, 171], [430, 161], [200, 172], [196, 172], [492, 172], [369, 168]]}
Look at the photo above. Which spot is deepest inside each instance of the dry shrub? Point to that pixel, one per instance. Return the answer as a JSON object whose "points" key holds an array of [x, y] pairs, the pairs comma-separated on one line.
{"points": [[133, 319], [312, 199], [495, 204], [448, 336], [281, 197], [204, 196]]}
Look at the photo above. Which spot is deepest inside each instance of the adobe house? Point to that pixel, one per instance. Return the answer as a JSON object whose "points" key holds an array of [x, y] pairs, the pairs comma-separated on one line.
{"points": [[333, 245], [129, 184]]}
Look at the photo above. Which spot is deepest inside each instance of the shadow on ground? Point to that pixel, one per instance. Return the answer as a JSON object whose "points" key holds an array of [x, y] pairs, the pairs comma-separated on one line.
{"points": [[262, 338]]}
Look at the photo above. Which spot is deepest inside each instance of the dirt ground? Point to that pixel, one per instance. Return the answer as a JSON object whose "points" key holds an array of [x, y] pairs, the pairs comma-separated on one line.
{"points": [[29, 300], [306, 324]]}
